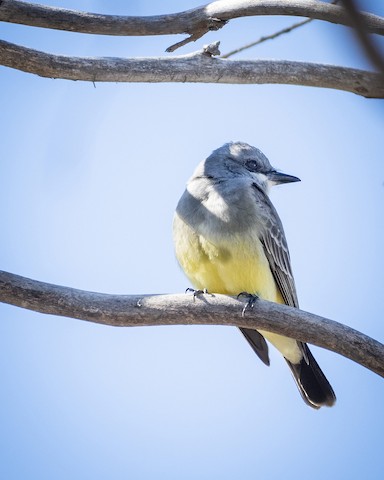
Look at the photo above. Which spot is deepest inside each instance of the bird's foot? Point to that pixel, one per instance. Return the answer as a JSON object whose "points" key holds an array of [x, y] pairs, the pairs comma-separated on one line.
{"points": [[252, 299], [196, 293]]}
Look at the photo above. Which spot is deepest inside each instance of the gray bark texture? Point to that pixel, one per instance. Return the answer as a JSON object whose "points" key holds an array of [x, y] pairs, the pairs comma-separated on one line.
{"points": [[196, 21], [200, 67], [183, 309]]}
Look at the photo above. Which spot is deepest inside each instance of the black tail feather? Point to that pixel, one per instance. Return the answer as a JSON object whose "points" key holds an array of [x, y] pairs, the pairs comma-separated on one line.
{"points": [[258, 344], [311, 382]]}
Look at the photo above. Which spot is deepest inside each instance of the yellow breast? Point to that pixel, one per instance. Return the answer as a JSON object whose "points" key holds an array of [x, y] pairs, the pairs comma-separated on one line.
{"points": [[231, 265]]}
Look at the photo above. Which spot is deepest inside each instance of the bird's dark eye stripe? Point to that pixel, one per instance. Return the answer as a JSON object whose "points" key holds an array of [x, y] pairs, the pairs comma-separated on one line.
{"points": [[251, 165]]}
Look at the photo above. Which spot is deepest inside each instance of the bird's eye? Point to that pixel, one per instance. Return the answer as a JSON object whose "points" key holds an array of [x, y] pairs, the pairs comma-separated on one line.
{"points": [[251, 165]]}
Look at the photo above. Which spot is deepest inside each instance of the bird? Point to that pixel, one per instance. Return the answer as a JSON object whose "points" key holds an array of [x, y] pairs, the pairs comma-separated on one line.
{"points": [[229, 239]]}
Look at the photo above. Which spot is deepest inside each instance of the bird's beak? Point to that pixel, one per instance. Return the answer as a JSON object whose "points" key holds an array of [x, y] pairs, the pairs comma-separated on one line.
{"points": [[277, 178]]}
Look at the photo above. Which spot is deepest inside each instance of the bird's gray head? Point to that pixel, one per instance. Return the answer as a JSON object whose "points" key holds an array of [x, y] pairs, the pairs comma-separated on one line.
{"points": [[240, 159]]}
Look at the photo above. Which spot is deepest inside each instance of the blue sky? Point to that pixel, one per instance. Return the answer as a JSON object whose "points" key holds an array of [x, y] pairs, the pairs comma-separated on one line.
{"points": [[89, 181]]}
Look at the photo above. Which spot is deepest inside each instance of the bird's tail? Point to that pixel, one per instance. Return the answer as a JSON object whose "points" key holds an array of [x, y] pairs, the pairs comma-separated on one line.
{"points": [[311, 381], [258, 344]]}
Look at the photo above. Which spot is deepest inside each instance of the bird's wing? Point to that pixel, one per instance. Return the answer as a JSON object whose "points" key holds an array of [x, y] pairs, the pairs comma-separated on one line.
{"points": [[275, 246]]}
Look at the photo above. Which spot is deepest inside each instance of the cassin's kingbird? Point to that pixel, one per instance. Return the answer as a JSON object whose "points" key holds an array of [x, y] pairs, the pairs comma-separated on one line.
{"points": [[229, 239]]}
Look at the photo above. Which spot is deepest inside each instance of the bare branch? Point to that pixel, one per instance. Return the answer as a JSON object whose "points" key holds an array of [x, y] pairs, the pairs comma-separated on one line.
{"points": [[198, 67], [196, 22], [152, 310]]}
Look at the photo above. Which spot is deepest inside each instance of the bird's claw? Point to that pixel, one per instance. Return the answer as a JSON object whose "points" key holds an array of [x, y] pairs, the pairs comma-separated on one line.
{"points": [[252, 299], [196, 293]]}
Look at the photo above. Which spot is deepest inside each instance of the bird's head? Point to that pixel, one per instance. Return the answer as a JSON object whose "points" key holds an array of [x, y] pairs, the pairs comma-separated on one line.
{"points": [[239, 159]]}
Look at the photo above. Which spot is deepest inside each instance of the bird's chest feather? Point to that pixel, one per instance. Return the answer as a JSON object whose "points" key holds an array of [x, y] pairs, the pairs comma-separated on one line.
{"points": [[224, 260]]}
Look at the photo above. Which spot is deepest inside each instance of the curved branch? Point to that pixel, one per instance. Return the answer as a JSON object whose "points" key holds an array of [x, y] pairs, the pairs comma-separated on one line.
{"points": [[195, 22], [152, 310], [196, 67]]}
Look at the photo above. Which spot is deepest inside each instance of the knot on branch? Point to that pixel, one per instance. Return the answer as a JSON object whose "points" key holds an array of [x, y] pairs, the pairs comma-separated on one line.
{"points": [[207, 25], [214, 24], [212, 49]]}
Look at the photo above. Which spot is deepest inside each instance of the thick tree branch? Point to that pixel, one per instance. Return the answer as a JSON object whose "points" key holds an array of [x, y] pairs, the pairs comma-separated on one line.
{"points": [[196, 67], [196, 22], [152, 310]]}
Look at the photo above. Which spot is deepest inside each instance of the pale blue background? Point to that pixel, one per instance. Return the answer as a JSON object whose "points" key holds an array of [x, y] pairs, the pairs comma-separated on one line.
{"points": [[89, 181]]}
